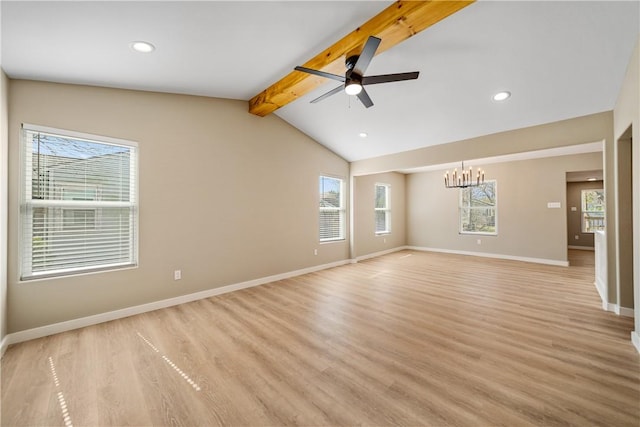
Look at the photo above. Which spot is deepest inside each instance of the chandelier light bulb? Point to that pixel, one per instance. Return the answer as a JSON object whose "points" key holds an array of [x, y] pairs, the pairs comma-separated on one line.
{"points": [[463, 179]]}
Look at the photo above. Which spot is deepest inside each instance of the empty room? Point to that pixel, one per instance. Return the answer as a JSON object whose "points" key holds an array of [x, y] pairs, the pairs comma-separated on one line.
{"points": [[328, 213]]}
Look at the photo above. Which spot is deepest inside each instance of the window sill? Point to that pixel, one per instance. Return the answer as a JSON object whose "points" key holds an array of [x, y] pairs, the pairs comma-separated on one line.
{"points": [[70, 274], [324, 242], [474, 233]]}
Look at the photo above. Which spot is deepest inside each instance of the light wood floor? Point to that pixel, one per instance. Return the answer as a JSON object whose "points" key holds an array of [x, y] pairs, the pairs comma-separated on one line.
{"points": [[409, 338]]}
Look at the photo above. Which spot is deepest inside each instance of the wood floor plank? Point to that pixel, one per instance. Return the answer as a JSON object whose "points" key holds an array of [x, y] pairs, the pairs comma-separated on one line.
{"points": [[409, 338], [31, 398]]}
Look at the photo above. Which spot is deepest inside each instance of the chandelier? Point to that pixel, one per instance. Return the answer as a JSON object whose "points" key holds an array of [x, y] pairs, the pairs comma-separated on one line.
{"points": [[463, 179]]}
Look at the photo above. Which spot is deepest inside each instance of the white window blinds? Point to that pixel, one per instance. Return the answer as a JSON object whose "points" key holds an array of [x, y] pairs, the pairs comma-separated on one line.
{"points": [[382, 209], [79, 203], [332, 212]]}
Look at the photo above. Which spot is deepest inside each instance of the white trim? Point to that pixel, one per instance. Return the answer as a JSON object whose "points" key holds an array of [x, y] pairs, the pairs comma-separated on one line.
{"points": [[490, 255], [3, 345], [495, 210], [386, 209], [582, 248], [342, 210], [79, 135], [82, 322], [615, 308], [602, 289], [635, 339], [624, 311], [377, 254], [26, 272]]}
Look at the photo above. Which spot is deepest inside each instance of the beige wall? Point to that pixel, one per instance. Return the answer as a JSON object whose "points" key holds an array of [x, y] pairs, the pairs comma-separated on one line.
{"points": [[627, 113], [580, 130], [526, 226], [4, 164], [574, 218], [365, 240], [225, 196]]}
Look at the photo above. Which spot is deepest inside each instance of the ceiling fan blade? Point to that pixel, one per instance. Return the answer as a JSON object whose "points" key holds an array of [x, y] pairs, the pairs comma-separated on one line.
{"points": [[366, 55], [320, 73], [328, 94], [363, 96], [386, 78]]}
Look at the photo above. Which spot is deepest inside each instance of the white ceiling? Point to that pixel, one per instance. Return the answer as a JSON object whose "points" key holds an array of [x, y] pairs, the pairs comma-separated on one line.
{"points": [[559, 59]]}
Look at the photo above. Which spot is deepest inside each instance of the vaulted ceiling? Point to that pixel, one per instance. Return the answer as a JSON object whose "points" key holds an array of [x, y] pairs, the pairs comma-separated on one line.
{"points": [[558, 59]]}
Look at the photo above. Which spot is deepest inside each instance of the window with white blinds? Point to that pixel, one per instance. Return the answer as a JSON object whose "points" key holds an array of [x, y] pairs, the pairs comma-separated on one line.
{"points": [[79, 208], [382, 209], [332, 212]]}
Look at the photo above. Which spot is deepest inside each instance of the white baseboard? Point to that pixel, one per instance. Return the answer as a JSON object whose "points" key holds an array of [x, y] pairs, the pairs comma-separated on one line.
{"points": [[624, 311], [377, 254], [602, 291], [582, 248], [635, 339], [3, 345], [490, 255], [69, 325], [615, 308]]}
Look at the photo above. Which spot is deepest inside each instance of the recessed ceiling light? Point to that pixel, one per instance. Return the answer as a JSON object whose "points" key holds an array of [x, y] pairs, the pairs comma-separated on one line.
{"points": [[501, 96], [142, 47], [363, 134], [591, 179]]}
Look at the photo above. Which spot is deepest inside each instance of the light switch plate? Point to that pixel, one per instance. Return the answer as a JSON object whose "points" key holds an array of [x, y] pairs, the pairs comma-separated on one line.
{"points": [[553, 205]]}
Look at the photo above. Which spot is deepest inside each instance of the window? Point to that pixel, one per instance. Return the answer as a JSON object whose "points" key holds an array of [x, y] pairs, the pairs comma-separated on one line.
{"points": [[79, 203], [592, 210], [382, 209], [332, 213], [478, 209]]}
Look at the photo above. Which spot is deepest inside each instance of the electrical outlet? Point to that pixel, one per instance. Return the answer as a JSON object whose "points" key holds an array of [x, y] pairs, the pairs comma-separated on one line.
{"points": [[177, 275], [315, 252], [576, 237], [479, 241], [384, 240]]}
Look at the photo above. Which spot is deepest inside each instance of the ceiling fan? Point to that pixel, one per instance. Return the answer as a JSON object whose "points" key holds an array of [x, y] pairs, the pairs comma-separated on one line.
{"points": [[354, 78]]}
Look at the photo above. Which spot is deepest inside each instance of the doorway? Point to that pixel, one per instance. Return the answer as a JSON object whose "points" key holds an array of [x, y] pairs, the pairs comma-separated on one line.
{"points": [[624, 223], [585, 208]]}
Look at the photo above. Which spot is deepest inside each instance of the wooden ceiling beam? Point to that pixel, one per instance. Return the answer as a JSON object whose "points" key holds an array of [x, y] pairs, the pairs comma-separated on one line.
{"points": [[396, 23]]}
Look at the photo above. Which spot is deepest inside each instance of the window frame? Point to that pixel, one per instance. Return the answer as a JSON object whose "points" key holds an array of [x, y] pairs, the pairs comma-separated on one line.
{"points": [[494, 207], [386, 209], [26, 205], [340, 209], [583, 211]]}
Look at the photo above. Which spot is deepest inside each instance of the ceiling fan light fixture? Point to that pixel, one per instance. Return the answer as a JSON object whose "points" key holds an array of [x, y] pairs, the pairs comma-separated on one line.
{"points": [[353, 88], [354, 79]]}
